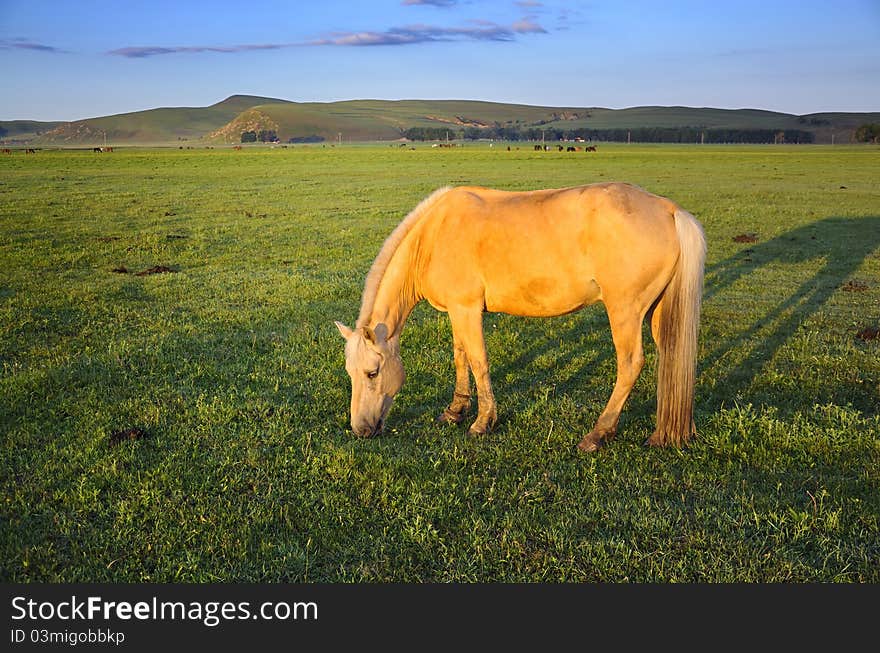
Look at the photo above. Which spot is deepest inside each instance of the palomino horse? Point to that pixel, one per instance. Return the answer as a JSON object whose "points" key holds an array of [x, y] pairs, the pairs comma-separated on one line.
{"points": [[541, 253]]}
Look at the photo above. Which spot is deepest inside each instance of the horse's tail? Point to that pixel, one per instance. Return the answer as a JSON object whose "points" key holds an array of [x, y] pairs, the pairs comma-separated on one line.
{"points": [[676, 335]]}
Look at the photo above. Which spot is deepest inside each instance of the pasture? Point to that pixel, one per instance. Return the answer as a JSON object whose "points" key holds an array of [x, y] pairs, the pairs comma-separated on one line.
{"points": [[174, 406]]}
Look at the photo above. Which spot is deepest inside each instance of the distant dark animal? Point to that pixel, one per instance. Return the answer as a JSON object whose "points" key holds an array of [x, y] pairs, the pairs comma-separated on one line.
{"points": [[559, 147], [96, 149], [568, 149], [590, 148], [6, 150], [30, 151], [236, 147], [537, 148]]}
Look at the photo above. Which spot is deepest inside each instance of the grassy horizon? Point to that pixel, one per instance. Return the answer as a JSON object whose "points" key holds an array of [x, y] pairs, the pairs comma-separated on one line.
{"points": [[190, 294]]}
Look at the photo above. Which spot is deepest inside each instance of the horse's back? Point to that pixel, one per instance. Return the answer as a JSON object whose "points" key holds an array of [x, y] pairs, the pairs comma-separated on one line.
{"points": [[546, 252]]}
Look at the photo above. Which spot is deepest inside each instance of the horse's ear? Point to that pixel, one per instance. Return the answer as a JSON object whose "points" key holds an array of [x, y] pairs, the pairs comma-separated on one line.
{"points": [[376, 336], [381, 332], [344, 330]]}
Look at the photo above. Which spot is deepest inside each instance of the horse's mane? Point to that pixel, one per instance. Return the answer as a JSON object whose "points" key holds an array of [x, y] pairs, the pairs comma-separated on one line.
{"points": [[389, 247]]}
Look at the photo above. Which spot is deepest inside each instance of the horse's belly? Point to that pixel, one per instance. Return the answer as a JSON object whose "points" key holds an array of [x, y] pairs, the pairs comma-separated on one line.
{"points": [[541, 296]]}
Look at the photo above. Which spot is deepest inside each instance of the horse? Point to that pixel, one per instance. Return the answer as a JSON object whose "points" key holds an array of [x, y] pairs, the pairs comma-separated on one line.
{"points": [[542, 253]]}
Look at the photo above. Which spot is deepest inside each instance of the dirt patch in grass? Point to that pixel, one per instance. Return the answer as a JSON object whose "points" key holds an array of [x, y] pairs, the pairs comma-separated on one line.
{"points": [[127, 435], [868, 333], [854, 285], [746, 238], [156, 269]]}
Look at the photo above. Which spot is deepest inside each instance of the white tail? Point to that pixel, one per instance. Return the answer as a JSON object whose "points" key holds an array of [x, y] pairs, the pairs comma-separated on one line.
{"points": [[679, 324]]}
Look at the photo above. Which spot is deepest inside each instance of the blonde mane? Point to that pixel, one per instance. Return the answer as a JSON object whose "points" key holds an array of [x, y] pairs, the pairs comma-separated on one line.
{"points": [[389, 247]]}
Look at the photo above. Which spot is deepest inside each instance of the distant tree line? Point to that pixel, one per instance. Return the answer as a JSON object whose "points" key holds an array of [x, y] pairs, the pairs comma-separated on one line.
{"points": [[635, 135], [263, 136], [867, 133], [431, 133], [270, 136], [307, 139]]}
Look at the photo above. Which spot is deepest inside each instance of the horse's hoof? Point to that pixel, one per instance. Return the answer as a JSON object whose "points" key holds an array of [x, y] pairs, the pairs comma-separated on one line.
{"points": [[449, 418], [480, 430], [594, 441], [654, 441], [589, 446]]}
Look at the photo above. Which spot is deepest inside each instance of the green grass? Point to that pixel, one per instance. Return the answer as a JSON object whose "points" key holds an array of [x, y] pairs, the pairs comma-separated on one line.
{"points": [[233, 368]]}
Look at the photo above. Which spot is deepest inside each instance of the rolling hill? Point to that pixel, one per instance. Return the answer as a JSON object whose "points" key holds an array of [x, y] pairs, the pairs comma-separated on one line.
{"points": [[151, 126], [370, 120], [20, 132]]}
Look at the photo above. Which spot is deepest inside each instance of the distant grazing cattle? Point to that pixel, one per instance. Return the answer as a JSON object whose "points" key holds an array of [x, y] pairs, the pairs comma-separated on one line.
{"points": [[30, 151], [590, 148], [537, 148], [96, 149], [106, 149], [236, 147], [6, 150], [568, 149], [559, 147]]}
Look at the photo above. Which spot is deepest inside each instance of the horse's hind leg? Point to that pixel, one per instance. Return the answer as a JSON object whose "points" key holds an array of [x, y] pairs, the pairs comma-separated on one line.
{"points": [[467, 329], [626, 331], [461, 398]]}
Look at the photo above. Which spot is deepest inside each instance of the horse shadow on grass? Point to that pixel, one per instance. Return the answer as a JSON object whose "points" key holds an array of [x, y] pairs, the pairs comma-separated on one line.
{"points": [[838, 246], [731, 360]]}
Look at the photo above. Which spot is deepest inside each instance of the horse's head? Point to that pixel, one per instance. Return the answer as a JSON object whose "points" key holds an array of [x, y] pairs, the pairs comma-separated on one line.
{"points": [[373, 362]]}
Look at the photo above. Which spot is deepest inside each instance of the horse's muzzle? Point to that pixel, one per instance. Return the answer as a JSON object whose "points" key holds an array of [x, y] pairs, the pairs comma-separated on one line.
{"points": [[369, 430]]}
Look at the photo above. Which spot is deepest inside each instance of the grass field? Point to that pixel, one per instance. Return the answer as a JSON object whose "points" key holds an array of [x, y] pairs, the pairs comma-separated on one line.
{"points": [[228, 364]]}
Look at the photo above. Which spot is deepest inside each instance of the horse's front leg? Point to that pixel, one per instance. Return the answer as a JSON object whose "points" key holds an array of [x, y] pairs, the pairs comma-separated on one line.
{"points": [[467, 329], [461, 398]]}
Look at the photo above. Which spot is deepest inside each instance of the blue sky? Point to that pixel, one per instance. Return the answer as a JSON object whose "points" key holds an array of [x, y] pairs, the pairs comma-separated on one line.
{"points": [[73, 59]]}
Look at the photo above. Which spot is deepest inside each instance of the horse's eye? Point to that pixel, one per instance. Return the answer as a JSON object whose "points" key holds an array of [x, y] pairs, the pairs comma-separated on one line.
{"points": [[373, 374]]}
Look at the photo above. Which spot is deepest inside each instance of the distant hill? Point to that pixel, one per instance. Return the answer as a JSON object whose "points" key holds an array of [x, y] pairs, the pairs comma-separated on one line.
{"points": [[19, 132], [366, 120], [151, 126]]}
